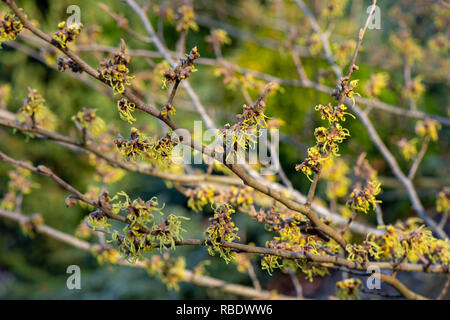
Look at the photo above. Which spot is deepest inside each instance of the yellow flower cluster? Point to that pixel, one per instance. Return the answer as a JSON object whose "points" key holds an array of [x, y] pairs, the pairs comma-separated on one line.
{"points": [[115, 71], [362, 200], [125, 108], [328, 139], [221, 228], [335, 171], [135, 147], [218, 37], [35, 112], [98, 220], [443, 201], [143, 233], [185, 19], [10, 27], [19, 182], [170, 270], [413, 242], [200, 197], [362, 252], [29, 226], [378, 82], [236, 196], [106, 254], [348, 289], [88, 120], [67, 34], [139, 146], [408, 148], [428, 128]]}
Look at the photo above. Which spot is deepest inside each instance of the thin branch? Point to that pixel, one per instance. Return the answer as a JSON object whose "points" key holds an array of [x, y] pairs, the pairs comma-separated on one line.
{"points": [[418, 160]]}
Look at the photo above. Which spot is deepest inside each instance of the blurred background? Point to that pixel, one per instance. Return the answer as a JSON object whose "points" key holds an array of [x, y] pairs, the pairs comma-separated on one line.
{"points": [[413, 34]]}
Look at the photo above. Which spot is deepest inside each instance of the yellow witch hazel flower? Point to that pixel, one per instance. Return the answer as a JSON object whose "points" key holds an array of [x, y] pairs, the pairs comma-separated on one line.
{"points": [[428, 128], [312, 163], [222, 228], [362, 200], [200, 197], [115, 71], [35, 112], [67, 34], [328, 139], [413, 242], [126, 108], [408, 148], [378, 81], [443, 201], [348, 289], [87, 119], [335, 171], [10, 27], [170, 270], [270, 263]]}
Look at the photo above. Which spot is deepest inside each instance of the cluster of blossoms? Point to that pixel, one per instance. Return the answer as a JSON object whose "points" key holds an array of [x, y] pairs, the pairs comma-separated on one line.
{"points": [[134, 147], [66, 34], [98, 220], [35, 112], [328, 139], [185, 19], [139, 146], [68, 63], [443, 201], [221, 228], [19, 182], [342, 51], [170, 270], [204, 195], [115, 72], [245, 132], [218, 37], [183, 68], [104, 172], [343, 89], [87, 120], [410, 241], [363, 252], [377, 82], [348, 289], [304, 244], [10, 27], [428, 128], [30, 225], [200, 197], [106, 254], [126, 108], [242, 261], [362, 200], [142, 233], [83, 231], [335, 171], [273, 219], [408, 148], [163, 147], [295, 234]]}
